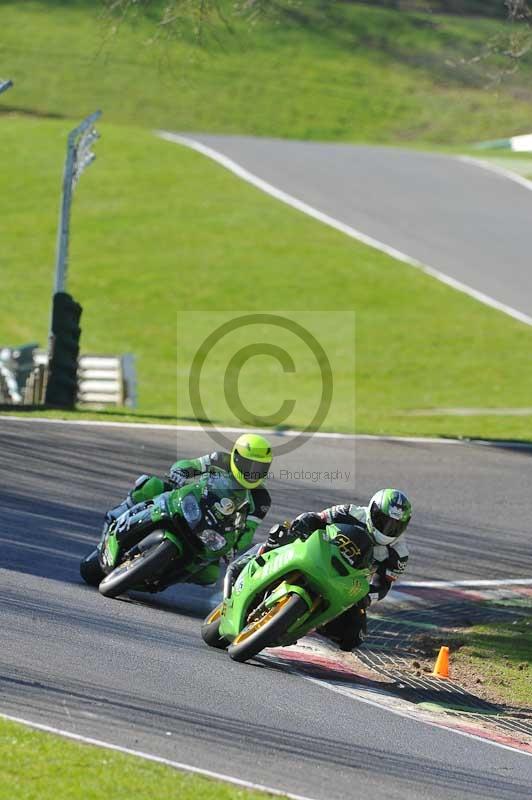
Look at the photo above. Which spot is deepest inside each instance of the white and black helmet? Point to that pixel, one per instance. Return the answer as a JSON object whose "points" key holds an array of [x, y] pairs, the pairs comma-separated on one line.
{"points": [[389, 513]]}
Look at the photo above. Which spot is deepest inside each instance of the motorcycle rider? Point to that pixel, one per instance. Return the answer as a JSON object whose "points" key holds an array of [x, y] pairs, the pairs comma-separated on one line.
{"points": [[248, 462], [385, 520]]}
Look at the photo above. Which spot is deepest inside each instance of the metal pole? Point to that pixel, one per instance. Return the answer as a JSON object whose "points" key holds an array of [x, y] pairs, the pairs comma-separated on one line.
{"points": [[5, 85], [77, 158], [63, 229]]}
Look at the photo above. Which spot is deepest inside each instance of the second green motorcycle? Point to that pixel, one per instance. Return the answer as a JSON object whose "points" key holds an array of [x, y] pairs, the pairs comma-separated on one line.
{"points": [[284, 594]]}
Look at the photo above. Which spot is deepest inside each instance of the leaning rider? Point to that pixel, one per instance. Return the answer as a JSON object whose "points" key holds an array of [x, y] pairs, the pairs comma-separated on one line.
{"points": [[385, 520], [248, 462]]}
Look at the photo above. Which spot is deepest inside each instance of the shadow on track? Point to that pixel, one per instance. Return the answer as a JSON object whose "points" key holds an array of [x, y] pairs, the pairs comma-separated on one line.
{"points": [[44, 537], [89, 620]]}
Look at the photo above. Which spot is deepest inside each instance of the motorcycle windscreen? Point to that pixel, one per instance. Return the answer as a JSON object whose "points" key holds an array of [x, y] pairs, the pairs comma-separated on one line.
{"points": [[224, 486]]}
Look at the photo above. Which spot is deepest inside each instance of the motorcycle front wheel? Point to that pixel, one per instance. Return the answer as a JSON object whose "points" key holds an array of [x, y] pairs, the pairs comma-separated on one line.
{"points": [[134, 571], [210, 630], [267, 629]]}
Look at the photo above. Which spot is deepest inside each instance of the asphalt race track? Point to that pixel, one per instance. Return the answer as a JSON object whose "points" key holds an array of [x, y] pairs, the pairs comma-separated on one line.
{"points": [[470, 224], [136, 673]]}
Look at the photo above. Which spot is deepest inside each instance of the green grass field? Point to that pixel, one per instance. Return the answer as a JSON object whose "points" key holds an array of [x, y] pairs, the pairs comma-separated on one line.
{"points": [[500, 656], [354, 74], [160, 231], [41, 766], [495, 658], [491, 660]]}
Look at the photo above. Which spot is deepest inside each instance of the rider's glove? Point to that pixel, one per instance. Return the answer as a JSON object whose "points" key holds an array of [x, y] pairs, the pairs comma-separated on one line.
{"points": [[277, 536], [306, 524], [177, 477], [381, 585]]}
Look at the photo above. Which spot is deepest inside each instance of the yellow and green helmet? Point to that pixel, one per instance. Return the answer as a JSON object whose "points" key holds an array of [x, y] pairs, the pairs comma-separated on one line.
{"points": [[251, 457]]}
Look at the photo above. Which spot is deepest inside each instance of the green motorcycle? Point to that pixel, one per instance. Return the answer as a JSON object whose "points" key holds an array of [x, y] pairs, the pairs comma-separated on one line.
{"points": [[168, 540], [283, 594]]}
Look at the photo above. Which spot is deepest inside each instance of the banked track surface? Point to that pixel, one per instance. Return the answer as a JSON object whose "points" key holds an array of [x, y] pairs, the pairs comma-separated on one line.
{"points": [[136, 673], [470, 224]]}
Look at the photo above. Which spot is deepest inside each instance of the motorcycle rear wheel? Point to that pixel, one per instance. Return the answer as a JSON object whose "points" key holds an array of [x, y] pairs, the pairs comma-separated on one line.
{"points": [[90, 570], [133, 572], [348, 630], [353, 637], [267, 630], [210, 630]]}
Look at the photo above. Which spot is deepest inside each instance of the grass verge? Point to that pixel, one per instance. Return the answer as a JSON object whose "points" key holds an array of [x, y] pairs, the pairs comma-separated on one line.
{"points": [[520, 163], [327, 71], [159, 232], [491, 660], [42, 766], [496, 659]]}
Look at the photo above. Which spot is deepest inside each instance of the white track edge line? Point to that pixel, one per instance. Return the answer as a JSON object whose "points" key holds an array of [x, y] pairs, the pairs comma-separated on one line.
{"points": [[498, 170], [228, 429], [366, 437], [157, 759], [300, 205], [411, 715], [465, 583]]}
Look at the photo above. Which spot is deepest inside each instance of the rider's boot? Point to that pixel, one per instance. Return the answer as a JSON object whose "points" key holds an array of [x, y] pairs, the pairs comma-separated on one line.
{"points": [[348, 630], [146, 488], [117, 511], [206, 576], [235, 567]]}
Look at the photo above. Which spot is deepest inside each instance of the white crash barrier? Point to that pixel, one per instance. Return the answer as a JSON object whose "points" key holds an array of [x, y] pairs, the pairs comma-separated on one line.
{"points": [[102, 380], [9, 392], [107, 380]]}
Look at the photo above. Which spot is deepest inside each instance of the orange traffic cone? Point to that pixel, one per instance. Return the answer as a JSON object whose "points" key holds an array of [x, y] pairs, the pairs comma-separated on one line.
{"points": [[441, 668]]}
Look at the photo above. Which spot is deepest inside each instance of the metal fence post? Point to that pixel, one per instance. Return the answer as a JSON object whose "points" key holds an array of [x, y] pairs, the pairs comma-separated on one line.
{"points": [[78, 157], [61, 385], [5, 85]]}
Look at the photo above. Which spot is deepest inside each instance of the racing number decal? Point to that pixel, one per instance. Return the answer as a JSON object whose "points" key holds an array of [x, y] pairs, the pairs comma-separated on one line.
{"points": [[348, 548]]}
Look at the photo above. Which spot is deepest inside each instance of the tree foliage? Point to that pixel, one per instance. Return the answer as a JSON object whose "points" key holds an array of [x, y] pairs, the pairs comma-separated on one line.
{"points": [[485, 8], [200, 20], [195, 15]]}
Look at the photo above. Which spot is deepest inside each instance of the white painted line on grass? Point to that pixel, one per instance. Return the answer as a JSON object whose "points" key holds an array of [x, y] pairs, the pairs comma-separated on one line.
{"points": [[207, 773], [469, 412], [497, 170], [300, 205]]}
